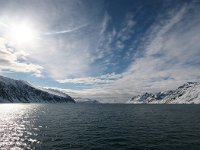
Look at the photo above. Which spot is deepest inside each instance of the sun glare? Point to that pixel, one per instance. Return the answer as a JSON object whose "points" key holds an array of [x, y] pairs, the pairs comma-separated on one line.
{"points": [[22, 33]]}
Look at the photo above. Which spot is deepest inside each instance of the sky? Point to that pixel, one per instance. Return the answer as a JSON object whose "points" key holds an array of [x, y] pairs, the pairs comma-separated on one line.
{"points": [[109, 50]]}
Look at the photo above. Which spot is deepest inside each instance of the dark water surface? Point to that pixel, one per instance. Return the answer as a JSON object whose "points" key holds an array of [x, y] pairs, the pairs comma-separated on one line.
{"points": [[99, 126]]}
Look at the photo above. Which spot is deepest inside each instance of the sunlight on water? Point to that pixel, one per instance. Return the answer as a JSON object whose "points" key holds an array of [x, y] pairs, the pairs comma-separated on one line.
{"points": [[99, 126], [16, 127]]}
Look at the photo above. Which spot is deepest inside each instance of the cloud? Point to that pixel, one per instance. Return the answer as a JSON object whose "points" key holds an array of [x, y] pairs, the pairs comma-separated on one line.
{"points": [[105, 39], [97, 93], [127, 28], [99, 80], [112, 40], [66, 31], [106, 20], [170, 57], [75, 54], [61, 55], [62, 59], [166, 55], [14, 61]]}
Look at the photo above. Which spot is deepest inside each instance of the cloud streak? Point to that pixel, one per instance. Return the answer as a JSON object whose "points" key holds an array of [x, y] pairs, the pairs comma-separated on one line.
{"points": [[66, 31], [99, 80]]}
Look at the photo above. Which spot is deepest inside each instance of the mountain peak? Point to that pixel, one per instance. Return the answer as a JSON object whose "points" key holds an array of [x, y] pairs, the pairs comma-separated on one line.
{"points": [[184, 94]]}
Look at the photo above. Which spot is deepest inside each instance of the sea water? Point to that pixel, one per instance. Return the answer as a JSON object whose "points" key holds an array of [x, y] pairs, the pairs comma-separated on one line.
{"points": [[99, 126]]}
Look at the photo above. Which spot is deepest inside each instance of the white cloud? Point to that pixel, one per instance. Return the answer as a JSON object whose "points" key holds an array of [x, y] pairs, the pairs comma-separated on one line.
{"points": [[127, 28], [99, 80], [171, 57], [66, 31], [61, 55], [11, 61], [170, 51], [112, 39], [63, 59], [105, 39], [105, 22]]}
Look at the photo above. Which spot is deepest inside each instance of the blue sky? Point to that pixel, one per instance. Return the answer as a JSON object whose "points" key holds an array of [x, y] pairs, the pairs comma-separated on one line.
{"points": [[102, 49]]}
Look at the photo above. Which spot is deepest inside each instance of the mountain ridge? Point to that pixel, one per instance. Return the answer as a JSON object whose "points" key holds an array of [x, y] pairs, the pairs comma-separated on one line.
{"points": [[19, 91], [188, 93]]}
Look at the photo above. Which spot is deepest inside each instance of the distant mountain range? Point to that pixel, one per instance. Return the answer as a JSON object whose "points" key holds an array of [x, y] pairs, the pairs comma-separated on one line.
{"points": [[188, 93], [18, 91]]}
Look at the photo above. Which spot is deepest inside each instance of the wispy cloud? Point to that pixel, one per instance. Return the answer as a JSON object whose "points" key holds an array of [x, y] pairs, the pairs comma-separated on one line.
{"points": [[3, 25], [106, 20], [87, 54], [170, 58], [66, 31], [99, 80], [105, 38], [65, 51], [127, 29], [113, 39], [171, 55]]}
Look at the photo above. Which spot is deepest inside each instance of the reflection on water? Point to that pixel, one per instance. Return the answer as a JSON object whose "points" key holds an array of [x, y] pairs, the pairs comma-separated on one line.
{"points": [[16, 126], [100, 126]]}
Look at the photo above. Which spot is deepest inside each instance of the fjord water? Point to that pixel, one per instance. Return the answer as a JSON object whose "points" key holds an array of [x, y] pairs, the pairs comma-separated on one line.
{"points": [[99, 126]]}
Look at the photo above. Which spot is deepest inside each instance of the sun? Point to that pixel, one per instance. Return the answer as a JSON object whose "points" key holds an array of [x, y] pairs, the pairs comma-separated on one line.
{"points": [[22, 33]]}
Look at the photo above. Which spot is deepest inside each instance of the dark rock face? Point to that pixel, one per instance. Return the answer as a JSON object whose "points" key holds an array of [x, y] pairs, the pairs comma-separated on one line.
{"points": [[21, 91]]}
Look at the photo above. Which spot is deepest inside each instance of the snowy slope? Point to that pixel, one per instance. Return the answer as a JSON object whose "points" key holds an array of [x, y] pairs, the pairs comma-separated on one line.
{"points": [[188, 93], [55, 92], [21, 91]]}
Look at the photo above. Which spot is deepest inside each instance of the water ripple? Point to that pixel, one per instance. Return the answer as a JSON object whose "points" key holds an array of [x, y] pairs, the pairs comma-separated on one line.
{"points": [[106, 126]]}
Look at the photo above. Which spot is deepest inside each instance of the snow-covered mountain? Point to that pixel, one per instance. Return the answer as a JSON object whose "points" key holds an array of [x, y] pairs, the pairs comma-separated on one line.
{"points": [[86, 100], [16, 91], [188, 93]]}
